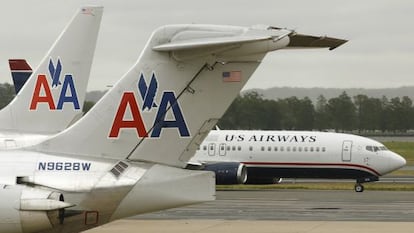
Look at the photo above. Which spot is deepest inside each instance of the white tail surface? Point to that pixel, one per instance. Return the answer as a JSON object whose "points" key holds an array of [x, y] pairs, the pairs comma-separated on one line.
{"points": [[54, 94], [164, 106]]}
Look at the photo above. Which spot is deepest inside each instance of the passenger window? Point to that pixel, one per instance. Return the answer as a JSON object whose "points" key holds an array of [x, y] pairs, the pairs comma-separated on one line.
{"points": [[204, 147], [311, 149], [300, 149], [228, 148], [269, 148], [250, 148], [288, 148], [239, 148], [317, 149], [306, 149], [323, 149], [262, 148], [233, 148], [275, 148], [294, 148], [282, 148]]}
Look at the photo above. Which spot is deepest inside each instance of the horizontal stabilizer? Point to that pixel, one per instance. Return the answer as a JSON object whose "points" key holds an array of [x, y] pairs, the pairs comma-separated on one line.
{"points": [[306, 41], [207, 42]]}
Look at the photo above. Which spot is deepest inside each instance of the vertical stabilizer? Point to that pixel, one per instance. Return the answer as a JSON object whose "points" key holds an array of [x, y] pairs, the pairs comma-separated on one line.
{"points": [[20, 72], [165, 105], [55, 92]]}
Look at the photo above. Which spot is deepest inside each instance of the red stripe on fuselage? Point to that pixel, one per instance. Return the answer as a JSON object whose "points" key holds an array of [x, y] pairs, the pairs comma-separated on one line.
{"points": [[315, 164]]}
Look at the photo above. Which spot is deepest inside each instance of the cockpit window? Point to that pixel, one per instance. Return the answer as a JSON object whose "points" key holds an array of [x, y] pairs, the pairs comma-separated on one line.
{"points": [[375, 148], [383, 148]]}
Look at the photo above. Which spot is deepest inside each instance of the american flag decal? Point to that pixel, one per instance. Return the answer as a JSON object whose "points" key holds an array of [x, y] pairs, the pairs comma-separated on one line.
{"points": [[232, 76]]}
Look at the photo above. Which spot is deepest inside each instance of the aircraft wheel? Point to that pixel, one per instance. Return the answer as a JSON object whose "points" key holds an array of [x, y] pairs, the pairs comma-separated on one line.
{"points": [[277, 180], [359, 188]]}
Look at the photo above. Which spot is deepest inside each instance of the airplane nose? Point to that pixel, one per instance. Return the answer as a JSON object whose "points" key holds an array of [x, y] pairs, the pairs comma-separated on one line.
{"points": [[397, 161]]}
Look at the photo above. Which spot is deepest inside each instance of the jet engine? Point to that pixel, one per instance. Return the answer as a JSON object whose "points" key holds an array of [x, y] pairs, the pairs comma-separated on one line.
{"points": [[25, 209], [228, 172]]}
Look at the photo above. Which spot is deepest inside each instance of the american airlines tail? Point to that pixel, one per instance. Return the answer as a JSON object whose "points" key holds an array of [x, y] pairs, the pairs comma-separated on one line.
{"points": [[20, 71], [53, 96], [165, 105]]}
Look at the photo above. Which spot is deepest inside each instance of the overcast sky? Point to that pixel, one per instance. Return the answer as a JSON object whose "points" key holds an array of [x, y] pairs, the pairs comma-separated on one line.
{"points": [[380, 51]]}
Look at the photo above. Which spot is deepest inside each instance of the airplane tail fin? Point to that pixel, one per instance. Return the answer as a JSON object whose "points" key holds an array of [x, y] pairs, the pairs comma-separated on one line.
{"points": [[54, 94], [166, 104], [20, 71]]}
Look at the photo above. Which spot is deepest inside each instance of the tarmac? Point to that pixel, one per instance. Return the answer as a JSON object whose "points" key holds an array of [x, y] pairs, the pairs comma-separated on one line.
{"points": [[283, 211], [246, 226]]}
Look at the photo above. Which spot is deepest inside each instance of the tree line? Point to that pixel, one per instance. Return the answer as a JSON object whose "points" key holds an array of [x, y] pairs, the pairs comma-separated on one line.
{"points": [[342, 114]]}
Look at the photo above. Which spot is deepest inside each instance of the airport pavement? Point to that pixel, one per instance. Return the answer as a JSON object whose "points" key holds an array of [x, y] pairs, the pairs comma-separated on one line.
{"points": [[281, 211], [298, 205], [244, 226]]}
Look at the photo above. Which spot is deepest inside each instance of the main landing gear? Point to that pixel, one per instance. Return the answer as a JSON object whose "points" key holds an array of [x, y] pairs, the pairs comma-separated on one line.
{"points": [[359, 188]]}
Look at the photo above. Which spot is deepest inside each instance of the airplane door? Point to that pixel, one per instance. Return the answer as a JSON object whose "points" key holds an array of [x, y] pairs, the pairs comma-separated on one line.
{"points": [[222, 149], [346, 151], [211, 149]]}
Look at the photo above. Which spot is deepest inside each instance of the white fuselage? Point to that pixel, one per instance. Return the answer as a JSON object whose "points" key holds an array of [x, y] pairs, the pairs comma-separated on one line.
{"points": [[14, 139], [299, 154], [93, 191]]}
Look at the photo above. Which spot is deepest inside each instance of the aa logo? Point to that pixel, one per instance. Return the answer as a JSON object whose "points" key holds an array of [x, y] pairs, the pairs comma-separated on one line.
{"points": [[148, 92], [42, 93]]}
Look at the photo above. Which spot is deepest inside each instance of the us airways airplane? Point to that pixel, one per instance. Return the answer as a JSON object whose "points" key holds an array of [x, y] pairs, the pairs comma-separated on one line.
{"points": [[263, 157], [126, 155], [52, 97]]}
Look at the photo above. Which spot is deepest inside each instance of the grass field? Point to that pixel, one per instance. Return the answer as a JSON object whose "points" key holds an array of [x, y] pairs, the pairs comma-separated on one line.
{"points": [[405, 149]]}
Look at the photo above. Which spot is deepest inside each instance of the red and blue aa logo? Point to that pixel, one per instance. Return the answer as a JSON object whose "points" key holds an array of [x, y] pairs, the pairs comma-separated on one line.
{"points": [[42, 93], [148, 93]]}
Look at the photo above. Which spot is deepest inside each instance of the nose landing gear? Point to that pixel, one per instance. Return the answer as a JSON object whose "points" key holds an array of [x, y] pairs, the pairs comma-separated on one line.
{"points": [[359, 188]]}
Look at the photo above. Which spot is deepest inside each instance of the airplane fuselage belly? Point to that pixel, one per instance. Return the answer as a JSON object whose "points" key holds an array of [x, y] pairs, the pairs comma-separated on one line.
{"points": [[306, 172]]}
